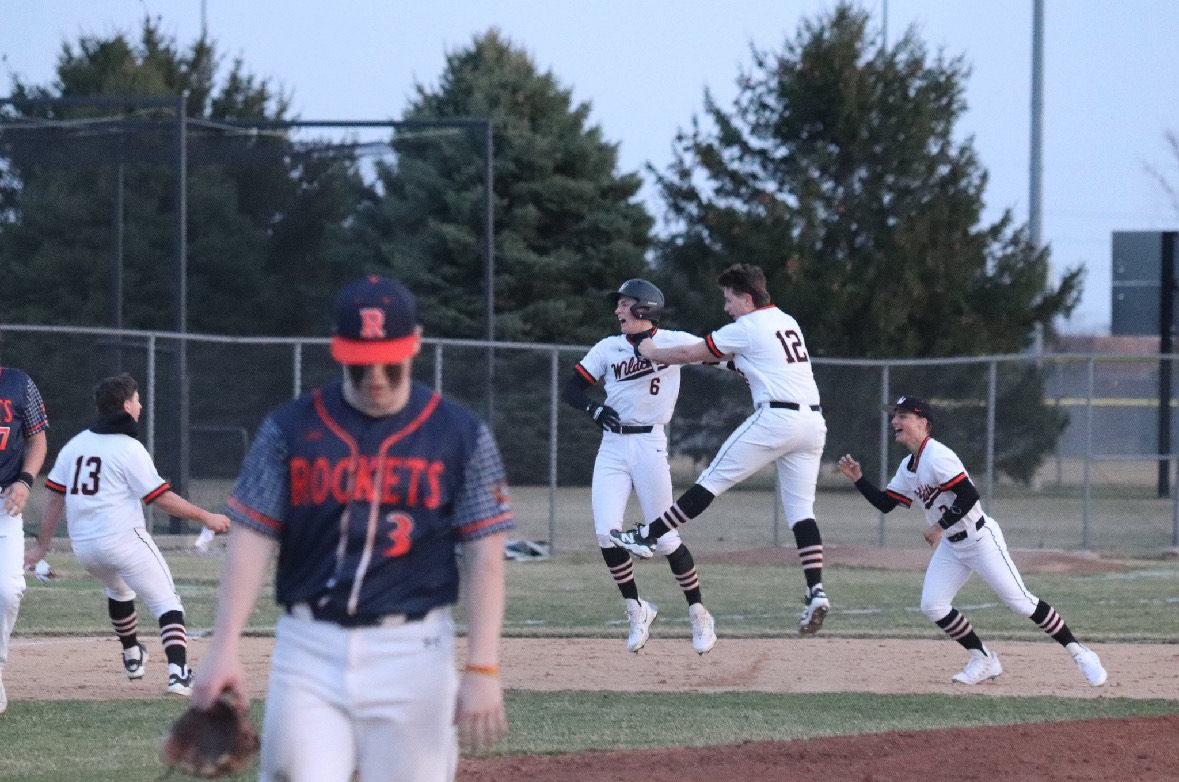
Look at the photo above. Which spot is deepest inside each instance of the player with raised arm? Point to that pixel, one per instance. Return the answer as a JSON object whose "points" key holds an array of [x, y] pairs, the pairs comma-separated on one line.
{"points": [[966, 541], [23, 446], [99, 482], [365, 488], [786, 428], [640, 399]]}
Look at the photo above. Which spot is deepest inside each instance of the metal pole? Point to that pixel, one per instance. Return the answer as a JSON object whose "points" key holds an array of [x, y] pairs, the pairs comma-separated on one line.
{"points": [[177, 524], [885, 398], [1036, 165], [296, 370], [554, 394], [992, 382], [489, 261], [1166, 345], [1088, 493], [149, 432], [438, 367], [118, 281]]}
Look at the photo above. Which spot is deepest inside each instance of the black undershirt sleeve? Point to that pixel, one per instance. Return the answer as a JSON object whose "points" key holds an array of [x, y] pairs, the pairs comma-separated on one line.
{"points": [[574, 391], [878, 498], [965, 495]]}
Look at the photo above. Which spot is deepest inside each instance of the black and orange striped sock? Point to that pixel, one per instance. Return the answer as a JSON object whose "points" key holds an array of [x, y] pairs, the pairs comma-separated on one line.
{"points": [[622, 571], [684, 569], [125, 621], [174, 637], [958, 627], [1052, 623]]}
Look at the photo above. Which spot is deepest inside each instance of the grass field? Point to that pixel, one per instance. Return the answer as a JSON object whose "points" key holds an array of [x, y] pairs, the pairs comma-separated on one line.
{"points": [[572, 596]]}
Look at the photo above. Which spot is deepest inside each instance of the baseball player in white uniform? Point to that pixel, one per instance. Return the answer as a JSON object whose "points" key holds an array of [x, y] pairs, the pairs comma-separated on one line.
{"points": [[786, 428], [967, 541], [100, 480], [640, 399]]}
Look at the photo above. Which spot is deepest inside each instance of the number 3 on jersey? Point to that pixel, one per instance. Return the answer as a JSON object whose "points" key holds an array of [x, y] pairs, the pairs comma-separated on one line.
{"points": [[399, 534]]}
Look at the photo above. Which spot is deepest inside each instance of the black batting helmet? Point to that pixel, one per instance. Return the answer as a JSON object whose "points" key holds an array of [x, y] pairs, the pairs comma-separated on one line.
{"points": [[650, 299]]}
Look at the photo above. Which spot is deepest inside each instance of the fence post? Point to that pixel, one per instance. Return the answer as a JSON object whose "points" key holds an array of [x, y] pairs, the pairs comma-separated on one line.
{"points": [[553, 396], [992, 382], [1088, 455], [297, 370], [438, 369], [885, 398]]}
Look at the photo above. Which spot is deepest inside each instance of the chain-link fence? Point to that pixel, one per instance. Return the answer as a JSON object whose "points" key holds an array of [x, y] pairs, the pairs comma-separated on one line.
{"points": [[1064, 448]]}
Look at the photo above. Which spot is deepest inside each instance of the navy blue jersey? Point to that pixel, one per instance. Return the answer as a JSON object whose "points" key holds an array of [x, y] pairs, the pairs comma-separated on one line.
{"points": [[22, 415], [367, 511]]}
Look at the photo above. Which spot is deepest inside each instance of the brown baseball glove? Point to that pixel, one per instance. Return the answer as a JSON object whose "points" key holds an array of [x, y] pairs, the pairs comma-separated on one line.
{"points": [[213, 743]]}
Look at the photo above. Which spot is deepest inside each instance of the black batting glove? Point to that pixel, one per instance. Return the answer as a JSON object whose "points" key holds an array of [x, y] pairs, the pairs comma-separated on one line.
{"points": [[605, 417]]}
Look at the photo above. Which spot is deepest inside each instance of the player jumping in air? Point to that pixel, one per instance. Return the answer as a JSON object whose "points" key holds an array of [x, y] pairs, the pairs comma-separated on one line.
{"points": [[640, 398], [786, 428], [967, 541]]}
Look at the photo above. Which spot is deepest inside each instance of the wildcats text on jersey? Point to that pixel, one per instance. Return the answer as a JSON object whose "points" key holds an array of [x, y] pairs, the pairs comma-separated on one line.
{"points": [[404, 481], [634, 368]]}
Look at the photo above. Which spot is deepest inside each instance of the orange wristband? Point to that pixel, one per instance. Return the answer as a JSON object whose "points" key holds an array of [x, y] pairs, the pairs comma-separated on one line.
{"points": [[486, 670]]}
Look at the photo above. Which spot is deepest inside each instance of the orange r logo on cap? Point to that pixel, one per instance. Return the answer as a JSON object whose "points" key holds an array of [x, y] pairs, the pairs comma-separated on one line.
{"points": [[372, 323]]}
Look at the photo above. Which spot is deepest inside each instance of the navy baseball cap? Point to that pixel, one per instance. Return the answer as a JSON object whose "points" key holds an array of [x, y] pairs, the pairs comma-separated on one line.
{"points": [[375, 322], [913, 404]]}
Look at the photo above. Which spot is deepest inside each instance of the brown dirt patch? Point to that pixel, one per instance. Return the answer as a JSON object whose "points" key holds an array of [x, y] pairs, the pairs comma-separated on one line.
{"points": [[1138, 749]]}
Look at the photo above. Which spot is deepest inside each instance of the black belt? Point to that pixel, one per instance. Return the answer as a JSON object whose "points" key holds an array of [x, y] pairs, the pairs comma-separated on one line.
{"points": [[795, 406], [356, 620], [958, 537], [627, 429]]}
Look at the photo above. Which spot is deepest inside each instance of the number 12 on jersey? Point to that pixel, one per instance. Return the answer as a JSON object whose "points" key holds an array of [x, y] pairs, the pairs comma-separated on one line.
{"points": [[792, 344]]}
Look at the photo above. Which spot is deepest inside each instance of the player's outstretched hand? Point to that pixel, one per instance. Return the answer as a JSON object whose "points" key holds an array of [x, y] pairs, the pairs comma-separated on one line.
{"points": [[850, 467], [605, 416], [218, 522], [479, 712]]}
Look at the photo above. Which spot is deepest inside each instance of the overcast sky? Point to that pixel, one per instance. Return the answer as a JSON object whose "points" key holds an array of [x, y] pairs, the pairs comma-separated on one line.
{"points": [[1111, 79]]}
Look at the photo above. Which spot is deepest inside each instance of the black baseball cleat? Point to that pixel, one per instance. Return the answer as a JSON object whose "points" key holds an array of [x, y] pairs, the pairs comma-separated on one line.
{"points": [[634, 541]]}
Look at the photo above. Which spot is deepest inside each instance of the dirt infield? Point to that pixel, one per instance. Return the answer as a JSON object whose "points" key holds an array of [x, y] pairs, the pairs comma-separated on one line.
{"points": [[1138, 749]]}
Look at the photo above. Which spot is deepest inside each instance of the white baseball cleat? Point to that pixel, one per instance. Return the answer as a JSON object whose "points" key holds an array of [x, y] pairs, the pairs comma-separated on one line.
{"points": [[634, 541], [703, 628], [1090, 665], [641, 614], [816, 607], [179, 680], [134, 660], [982, 666]]}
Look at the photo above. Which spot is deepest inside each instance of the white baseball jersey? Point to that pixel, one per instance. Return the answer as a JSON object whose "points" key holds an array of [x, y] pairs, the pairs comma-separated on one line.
{"points": [[768, 349], [642, 393], [929, 477], [105, 479]]}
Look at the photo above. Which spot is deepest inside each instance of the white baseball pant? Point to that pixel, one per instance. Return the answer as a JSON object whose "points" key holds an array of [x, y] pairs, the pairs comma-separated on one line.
{"points": [[792, 439], [129, 564], [377, 700], [12, 576], [627, 462], [984, 552]]}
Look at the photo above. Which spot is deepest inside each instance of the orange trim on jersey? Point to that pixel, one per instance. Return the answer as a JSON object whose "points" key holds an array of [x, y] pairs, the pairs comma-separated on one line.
{"points": [[917, 456], [902, 499], [40, 427], [57, 487], [330, 423], [420, 419], [468, 529], [155, 495], [261, 518], [956, 479], [712, 347], [584, 373]]}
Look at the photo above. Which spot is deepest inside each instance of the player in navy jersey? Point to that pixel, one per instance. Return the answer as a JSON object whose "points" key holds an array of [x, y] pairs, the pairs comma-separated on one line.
{"points": [[364, 487], [23, 446]]}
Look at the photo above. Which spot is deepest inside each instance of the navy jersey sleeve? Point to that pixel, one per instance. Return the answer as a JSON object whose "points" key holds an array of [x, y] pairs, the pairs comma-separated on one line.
{"points": [[483, 506], [262, 493]]}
